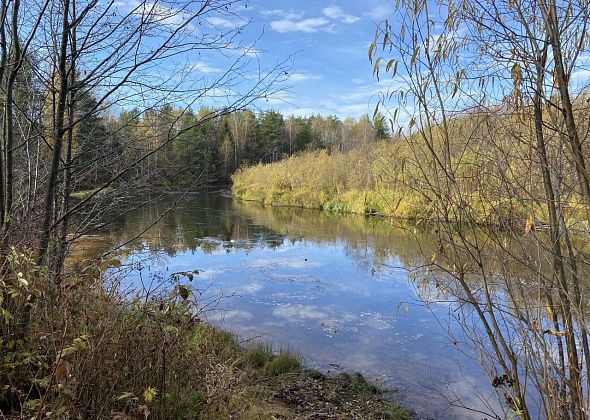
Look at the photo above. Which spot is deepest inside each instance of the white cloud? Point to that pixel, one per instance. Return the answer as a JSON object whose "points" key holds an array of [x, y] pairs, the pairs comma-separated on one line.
{"points": [[244, 51], [381, 12], [302, 77], [203, 67], [273, 12], [283, 14], [335, 12], [357, 109], [304, 25], [292, 22], [221, 22], [251, 52], [304, 111], [153, 12], [277, 98], [580, 78]]}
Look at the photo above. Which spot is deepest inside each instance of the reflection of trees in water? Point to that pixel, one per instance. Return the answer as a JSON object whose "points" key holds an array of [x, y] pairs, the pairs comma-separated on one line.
{"points": [[213, 223], [505, 287], [372, 243], [205, 221]]}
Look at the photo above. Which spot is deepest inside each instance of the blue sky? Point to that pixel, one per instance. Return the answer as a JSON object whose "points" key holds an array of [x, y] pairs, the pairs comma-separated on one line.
{"points": [[326, 42], [331, 73]]}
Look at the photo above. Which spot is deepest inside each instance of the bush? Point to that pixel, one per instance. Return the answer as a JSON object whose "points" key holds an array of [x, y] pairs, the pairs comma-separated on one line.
{"points": [[257, 355]]}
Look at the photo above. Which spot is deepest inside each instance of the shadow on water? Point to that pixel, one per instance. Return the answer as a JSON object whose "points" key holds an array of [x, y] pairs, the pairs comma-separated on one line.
{"points": [[336, 289]]}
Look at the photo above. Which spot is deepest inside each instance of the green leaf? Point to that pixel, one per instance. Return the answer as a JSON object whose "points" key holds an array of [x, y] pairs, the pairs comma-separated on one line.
{"points": [[22, 281], [81, 342], [183, 292]]}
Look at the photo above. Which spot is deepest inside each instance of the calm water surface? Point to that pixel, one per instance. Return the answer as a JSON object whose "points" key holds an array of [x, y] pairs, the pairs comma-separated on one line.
{"points": [[335, 289]]}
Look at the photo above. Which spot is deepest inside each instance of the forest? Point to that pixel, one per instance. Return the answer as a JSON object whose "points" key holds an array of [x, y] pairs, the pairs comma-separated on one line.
{"points": [[211, 150]]}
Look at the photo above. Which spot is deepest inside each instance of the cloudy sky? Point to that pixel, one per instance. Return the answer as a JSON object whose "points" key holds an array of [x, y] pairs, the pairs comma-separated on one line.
{"points": [[331, 73]]}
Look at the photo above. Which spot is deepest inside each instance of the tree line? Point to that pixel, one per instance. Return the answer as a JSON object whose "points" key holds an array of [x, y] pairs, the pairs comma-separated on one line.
{"points": [[212, 149]]}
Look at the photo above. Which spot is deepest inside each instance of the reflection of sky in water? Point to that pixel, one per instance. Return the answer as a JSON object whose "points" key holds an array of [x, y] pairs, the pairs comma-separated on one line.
{"points": [[334, 310]]}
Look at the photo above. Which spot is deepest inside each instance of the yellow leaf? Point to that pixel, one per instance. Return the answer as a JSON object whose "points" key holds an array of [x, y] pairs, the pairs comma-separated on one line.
{"points": [[516, 74], [558, 334], [530, 223], [549, 311], [371, 47], [149, 394], [376, 67], [389, 64], [67, 352]]}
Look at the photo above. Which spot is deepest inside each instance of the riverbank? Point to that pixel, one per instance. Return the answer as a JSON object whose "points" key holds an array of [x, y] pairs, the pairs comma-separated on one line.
{"points": [[385, 179], [91, 351], [350, 182]]}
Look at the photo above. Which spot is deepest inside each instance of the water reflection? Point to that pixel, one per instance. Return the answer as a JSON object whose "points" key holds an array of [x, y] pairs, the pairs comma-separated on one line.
{"points": [[326, 286]]}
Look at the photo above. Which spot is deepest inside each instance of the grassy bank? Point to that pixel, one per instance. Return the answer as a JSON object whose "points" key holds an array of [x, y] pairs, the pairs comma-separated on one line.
{"points": [[358, 181], [82, 349], [389, 178]]}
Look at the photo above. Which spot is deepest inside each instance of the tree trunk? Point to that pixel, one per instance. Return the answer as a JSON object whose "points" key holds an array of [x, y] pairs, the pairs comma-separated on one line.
{"points": [[58, 132]]}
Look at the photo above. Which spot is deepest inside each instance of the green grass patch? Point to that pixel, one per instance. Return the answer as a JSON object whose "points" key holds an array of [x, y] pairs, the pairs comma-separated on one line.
{"points": [[282, 363]]}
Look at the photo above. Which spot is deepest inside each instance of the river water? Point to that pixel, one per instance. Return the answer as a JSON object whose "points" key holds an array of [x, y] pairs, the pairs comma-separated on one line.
{"points": [[336, 290]]}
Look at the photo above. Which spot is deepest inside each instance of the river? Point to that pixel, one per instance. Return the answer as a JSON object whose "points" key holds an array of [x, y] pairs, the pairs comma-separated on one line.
{"points": [[335, 289]]}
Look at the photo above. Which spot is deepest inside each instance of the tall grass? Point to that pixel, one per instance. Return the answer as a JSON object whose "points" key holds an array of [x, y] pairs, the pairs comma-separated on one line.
{"points": [[357, 181], [394, 178]]}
